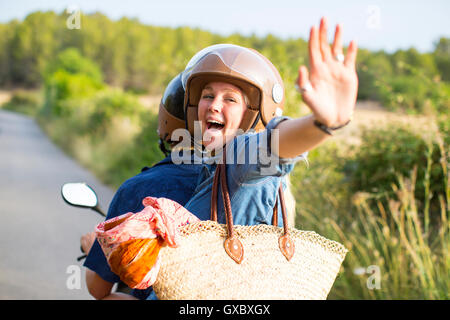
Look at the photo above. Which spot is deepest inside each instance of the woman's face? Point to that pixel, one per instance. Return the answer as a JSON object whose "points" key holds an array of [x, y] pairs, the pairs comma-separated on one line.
{"points": [[220, 111]]}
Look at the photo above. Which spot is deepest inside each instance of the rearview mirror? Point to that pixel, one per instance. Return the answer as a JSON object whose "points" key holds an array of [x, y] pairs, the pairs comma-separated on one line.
{"points": [[79, 195]]}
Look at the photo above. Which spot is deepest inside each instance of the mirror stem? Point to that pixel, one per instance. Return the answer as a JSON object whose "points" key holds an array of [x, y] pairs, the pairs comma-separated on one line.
{"points": [[99, 211]]}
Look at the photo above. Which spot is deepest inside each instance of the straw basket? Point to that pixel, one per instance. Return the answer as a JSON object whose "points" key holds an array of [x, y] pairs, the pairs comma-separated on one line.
{"points": [[222, 261], [201, 269]]}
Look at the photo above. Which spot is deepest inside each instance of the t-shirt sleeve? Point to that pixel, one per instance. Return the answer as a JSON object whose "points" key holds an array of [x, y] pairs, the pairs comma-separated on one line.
{"points": [[252, 156]]}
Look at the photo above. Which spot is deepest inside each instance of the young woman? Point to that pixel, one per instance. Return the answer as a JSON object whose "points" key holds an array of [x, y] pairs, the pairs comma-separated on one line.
{"points": [[231, 88]]}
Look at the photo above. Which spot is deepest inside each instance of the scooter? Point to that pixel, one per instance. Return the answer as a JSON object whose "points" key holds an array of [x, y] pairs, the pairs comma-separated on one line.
{"points": [[81, 195]]}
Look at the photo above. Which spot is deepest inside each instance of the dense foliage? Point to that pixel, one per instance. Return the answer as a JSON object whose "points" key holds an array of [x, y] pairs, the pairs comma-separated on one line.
{"points": [[144, 58], [394, 151]]}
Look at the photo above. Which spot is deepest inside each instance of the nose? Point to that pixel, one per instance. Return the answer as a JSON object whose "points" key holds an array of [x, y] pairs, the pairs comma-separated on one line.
{"points": [[215, 105]]}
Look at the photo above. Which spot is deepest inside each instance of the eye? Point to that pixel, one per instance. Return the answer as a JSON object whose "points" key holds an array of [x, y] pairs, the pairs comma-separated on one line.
{"points": [[231, 98], [207, 96]]}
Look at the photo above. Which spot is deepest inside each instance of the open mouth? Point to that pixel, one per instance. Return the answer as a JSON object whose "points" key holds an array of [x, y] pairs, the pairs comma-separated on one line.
{"points": [[212, 124]]}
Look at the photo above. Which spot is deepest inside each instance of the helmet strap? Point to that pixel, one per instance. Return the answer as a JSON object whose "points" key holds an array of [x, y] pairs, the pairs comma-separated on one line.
{"points": [[256, 121], [163, 148]]}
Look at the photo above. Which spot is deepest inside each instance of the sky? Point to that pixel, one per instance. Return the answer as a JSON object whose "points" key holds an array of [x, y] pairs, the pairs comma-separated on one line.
{"points": [[374, 24]]}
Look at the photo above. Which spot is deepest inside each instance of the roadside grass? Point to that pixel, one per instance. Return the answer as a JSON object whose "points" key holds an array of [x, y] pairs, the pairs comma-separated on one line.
{"points": [[398, 246], [23, 101]]}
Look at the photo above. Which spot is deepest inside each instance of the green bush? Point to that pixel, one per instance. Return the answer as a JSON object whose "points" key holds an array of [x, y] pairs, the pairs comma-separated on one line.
{"points": [[100, 122], [100, 131], [414, 95], [62, 86], [70, 76], [389, 152], [111, 103], [71, 61]]}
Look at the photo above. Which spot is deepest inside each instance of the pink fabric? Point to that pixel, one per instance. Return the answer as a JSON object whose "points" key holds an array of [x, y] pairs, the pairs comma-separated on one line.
{"points": [[160, 217]]}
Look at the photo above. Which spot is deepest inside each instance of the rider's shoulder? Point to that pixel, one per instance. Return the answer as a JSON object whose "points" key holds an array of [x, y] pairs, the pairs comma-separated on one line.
{"points": [[147, 173], [164, 170]]}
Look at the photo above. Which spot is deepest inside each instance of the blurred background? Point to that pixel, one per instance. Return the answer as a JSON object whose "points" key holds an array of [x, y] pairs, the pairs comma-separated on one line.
{"points": [[80, 85]]}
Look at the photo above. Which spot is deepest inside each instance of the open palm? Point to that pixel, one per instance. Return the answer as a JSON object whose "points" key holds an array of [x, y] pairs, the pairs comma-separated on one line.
{"points": [[330, 87]]}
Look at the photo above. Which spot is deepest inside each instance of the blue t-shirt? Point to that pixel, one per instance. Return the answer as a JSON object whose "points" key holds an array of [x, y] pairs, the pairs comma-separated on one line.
{"points": [[254, 173], [165, 179]]}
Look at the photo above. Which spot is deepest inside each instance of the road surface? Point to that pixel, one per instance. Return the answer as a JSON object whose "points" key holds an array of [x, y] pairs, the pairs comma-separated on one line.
{"points": [[39, 232]]}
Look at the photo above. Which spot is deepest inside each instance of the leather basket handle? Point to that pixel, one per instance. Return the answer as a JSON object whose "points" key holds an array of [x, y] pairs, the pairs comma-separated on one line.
{"points": [[232, 244]]}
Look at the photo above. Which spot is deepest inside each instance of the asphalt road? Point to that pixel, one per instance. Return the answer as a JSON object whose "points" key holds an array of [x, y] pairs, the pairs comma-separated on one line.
{"points": [[39, 232]]}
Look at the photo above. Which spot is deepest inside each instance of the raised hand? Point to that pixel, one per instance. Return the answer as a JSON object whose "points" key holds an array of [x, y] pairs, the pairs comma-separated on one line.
{"points": [[330, 87]]}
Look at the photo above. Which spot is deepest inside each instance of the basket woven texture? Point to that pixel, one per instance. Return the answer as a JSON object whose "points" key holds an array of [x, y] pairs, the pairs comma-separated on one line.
{"points": [[263, 274], [263, 262]]}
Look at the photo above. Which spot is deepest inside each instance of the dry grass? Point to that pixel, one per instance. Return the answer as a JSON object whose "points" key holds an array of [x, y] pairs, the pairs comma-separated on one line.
{"points": [[370, 114], [5, 96], [150, 102]]}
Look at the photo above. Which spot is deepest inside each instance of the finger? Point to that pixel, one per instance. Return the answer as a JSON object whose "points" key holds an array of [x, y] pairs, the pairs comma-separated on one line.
{"points": [[315, 57], [350, 59], [337, 43], [303, 76], [304, 84], [324, 46]]}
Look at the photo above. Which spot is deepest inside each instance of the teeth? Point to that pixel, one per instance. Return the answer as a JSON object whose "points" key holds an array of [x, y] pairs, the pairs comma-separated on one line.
{"points": [[215, 122]]}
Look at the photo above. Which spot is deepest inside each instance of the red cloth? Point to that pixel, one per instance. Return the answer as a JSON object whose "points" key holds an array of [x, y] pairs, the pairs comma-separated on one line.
{"points": [[160, 218]]}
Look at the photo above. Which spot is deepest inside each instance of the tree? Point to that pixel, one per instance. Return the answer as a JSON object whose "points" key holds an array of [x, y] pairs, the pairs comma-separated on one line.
{"points": [[5, 53], [442, 56], [31, 46]]}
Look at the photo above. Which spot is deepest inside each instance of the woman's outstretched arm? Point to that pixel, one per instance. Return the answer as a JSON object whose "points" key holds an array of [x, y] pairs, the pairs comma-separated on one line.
{"points": [[329, 89]]}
